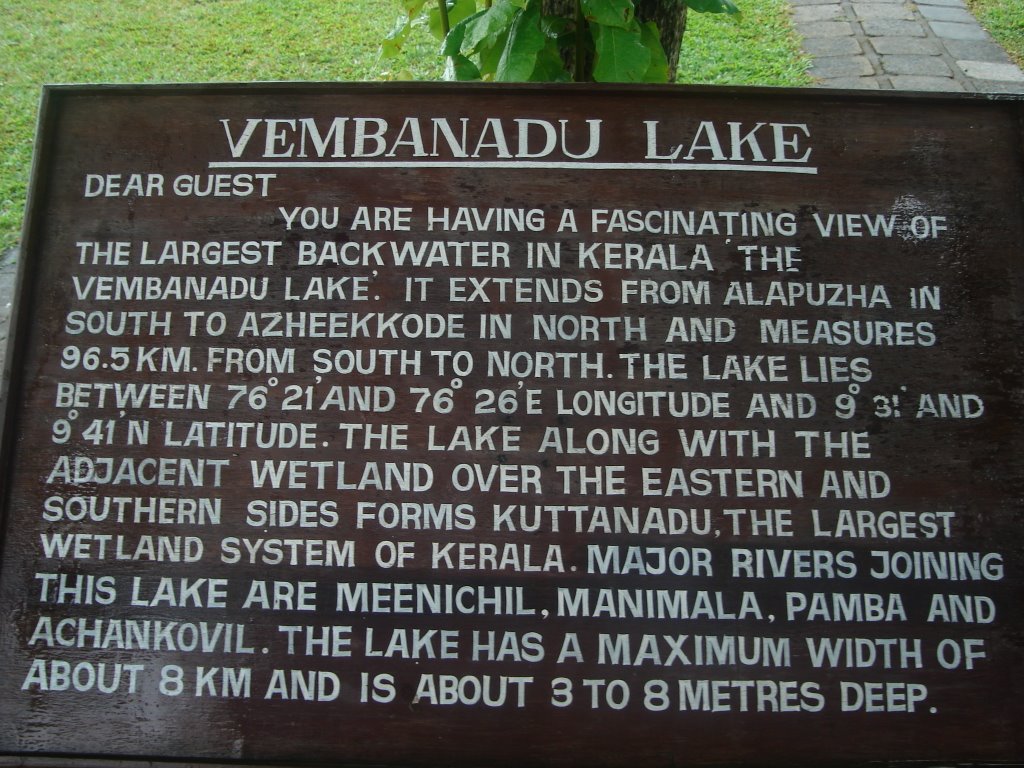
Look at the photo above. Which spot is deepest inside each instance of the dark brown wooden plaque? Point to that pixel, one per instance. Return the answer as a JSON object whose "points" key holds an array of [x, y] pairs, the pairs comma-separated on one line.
{"points": [[420, 425]]}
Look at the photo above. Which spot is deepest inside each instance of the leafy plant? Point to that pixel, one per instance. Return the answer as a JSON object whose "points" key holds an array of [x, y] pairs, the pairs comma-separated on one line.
{"points": [[551, 40]]}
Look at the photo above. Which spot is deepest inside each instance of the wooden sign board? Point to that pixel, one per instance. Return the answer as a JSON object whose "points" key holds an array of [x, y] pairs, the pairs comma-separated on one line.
{"points": [[421, 425]]}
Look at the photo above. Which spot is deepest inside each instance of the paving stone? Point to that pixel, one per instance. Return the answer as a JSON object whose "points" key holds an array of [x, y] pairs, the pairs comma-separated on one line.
{"points": [[957, 31], [8, 273], [825, 29], [922, 46], [976, 50], [818, 12], [918, 83], [811, 2], [986, 70], [993, 86], [916, 65], [947, 3], [892, 27], [841, 66], [824, 47], [882, 11], [861, 83], [943, 13]]}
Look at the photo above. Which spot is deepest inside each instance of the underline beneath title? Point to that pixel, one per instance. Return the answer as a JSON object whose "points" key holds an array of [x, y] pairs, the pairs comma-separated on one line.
{"points": [[513, 164]]}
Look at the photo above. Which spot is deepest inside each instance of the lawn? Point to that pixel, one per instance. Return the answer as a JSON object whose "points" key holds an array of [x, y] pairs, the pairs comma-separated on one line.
{"points": [[757, 49], [122, 41]]}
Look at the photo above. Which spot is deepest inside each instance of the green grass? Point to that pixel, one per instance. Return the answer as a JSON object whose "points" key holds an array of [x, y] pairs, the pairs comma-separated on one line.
{"points": [[1005, 20], [121, 41], [759, 48]]}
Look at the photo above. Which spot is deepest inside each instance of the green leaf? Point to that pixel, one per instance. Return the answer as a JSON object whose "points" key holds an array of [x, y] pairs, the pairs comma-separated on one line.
{"points": [[457, 11], [525, 41], [391, 45], [490, 57], [550, 67], [554, 26], [657, 71], [487, 29], [713, 6], [620, 55], [460, 68], [609, 13], [457, 34]]}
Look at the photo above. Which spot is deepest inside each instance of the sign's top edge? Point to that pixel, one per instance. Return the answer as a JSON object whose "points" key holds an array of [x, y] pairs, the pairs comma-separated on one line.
{"points": [[274, 86]]}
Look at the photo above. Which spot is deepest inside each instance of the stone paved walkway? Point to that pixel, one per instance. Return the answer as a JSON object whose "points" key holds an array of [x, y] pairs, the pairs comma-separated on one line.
{"points": [[928, 45]]}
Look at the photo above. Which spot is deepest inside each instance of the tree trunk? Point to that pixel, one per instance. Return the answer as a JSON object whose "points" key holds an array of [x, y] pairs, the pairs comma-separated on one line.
{"points": [[669, 15]]}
